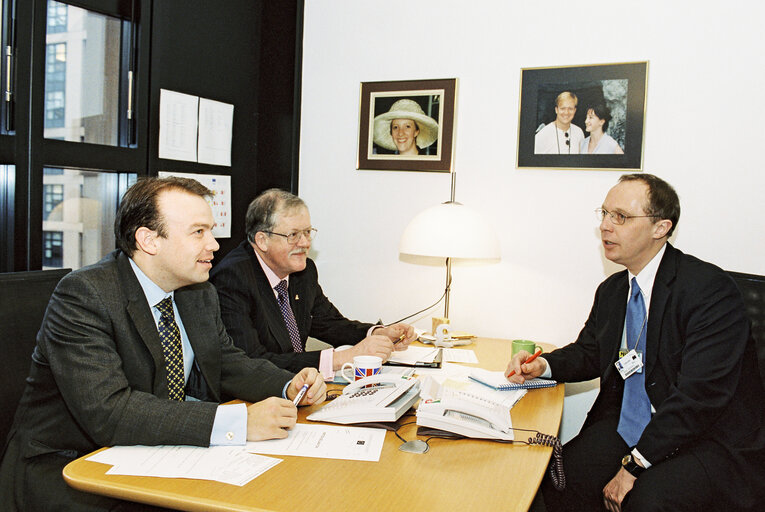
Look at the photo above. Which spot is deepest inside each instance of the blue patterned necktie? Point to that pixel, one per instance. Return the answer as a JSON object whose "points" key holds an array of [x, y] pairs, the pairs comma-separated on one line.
{"points": [[289, 316], [172, 348], [636, 407]]}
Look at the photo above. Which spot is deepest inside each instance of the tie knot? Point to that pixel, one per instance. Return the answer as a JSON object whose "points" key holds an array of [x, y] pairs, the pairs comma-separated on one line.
{"points": [[165, 306], [281, 288], [635, 288]]}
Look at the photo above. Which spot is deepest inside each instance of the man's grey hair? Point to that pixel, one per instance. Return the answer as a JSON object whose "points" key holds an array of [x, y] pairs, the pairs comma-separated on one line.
{"points": [[264, 211]]}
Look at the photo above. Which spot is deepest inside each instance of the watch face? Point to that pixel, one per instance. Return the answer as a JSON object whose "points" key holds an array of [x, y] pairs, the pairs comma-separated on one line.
{"points": [[626, 459]]}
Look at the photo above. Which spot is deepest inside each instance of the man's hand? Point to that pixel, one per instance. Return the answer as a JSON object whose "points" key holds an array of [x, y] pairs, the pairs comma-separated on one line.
{"points": [[375, 345], [525, 371], [400, 334], [615, 490], [270, 419], [317, 389]]}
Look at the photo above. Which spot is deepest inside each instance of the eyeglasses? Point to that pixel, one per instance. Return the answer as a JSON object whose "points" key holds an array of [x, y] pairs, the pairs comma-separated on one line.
{"points": [[616, 217], [294, 237]]}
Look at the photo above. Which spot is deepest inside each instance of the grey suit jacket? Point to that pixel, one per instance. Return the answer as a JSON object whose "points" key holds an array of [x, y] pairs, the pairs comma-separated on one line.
{"points": [[98, 379]]}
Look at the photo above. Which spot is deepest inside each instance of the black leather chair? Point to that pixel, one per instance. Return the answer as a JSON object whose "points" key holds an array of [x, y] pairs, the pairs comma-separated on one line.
{"points": [[753, 289], [23, 299]]}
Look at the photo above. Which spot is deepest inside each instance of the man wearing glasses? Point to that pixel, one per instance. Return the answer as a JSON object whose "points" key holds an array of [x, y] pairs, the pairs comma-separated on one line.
{"points": [[560, 137], [271, 300], [678, 423]]}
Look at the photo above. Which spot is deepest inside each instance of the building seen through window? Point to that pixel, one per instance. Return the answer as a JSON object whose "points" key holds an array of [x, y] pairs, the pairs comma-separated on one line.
{"points": [[82, 75], [79, 208]]}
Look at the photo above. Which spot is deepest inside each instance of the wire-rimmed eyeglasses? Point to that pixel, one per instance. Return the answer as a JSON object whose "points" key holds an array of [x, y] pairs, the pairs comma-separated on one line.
{"points": [[294, 237], [616, 217]]}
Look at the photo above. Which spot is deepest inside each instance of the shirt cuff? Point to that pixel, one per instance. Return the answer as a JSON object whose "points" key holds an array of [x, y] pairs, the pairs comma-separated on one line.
{"points": [[372, 329], [230, 425], [326, 362], [547, 374], [636, 454]]}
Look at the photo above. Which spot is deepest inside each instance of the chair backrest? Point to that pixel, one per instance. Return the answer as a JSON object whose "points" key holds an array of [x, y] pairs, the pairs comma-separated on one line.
{"points": [[753, 289], [24, 297]]}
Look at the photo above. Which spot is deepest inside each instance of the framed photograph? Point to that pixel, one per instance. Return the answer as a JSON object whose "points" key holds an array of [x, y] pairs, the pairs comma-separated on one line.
{"points": [[583, 117], [407, 125]]}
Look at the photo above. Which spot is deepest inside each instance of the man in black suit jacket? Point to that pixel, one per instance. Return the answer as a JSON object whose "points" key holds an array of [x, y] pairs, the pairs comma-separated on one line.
{"points": [[99, 374], [704, 441], [279, 235]]}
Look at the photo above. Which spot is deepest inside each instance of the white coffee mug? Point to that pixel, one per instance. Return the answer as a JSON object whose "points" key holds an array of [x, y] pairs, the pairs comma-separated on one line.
{"points": [[362, 366]]}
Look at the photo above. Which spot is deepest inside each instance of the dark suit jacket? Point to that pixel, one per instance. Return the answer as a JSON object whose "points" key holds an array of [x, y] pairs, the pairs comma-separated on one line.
{"points": [[701, 373], [98, 375], [252, 316]]}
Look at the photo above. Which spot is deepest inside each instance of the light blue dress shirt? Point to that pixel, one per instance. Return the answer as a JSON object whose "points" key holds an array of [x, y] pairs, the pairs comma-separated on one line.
{"points": [[230, 425]]}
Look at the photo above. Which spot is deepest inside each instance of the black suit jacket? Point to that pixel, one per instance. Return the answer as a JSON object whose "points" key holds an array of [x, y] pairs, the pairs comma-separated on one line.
{"points": [[252, 316], [701, 373], [98, 377]]}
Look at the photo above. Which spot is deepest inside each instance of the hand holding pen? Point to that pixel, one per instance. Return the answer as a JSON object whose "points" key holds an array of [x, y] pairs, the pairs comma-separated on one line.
{"points": [[523, 369]]}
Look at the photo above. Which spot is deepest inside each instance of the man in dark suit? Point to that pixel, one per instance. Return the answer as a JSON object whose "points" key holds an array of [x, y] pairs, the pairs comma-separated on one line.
{"points": [[125, 347], [257, 315], [680, 426]]}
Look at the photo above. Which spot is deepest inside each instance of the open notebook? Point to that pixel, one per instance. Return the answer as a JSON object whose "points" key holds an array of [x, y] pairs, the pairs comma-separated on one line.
{"points": [[498, 381]]}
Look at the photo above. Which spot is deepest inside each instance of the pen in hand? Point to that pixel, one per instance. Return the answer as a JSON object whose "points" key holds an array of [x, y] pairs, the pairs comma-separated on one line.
{"points": [[400, 338], [300, 394], [536, 354]]}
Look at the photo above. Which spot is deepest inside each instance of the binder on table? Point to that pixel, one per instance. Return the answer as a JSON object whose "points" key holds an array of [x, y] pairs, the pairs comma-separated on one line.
{"points": [[497, 380]]}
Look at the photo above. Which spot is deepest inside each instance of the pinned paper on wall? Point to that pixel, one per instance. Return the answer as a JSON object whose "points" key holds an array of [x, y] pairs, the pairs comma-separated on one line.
{"points": [[220, 202], [195, 129]]}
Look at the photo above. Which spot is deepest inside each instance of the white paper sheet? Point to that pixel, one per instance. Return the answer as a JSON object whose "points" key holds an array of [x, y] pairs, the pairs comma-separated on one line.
{"points": [[326, 442], [460, 355], [215, 129], [227, 464], [178, 125], [414, 355]]}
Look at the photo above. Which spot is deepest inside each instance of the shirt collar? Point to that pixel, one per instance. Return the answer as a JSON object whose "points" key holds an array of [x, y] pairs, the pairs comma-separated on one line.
{"points": [[273, 279], [647, 276], [154, 294]]}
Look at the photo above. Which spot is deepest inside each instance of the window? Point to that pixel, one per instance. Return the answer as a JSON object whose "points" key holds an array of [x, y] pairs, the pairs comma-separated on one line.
{"points": [[53, 252], [79, 209], [82, 77]]}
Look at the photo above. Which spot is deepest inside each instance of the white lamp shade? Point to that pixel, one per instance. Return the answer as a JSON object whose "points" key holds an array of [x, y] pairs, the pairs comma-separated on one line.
{"points": [[449, 230]]}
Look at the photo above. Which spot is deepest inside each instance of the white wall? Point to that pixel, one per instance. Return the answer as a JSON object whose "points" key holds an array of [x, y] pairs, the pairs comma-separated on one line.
{"points": [[702, 134]]}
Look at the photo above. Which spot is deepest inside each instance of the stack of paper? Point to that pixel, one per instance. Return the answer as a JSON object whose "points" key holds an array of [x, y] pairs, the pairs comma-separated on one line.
{"points": [[227, 464]]}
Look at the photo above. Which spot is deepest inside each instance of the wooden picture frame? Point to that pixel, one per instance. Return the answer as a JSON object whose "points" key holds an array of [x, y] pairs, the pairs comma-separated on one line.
{"points": [[422, 112]]}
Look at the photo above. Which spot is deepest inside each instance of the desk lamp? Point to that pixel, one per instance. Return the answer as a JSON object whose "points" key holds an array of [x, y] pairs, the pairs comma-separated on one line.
{"points": [[449, 230]]}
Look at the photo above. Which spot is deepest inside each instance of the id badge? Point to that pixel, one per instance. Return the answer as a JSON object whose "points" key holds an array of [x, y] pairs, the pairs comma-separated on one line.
{"points": [[630, 363]]}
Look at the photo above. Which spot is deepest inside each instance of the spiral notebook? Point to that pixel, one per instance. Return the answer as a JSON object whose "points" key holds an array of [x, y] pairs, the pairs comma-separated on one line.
{"points": [[498, 381]]}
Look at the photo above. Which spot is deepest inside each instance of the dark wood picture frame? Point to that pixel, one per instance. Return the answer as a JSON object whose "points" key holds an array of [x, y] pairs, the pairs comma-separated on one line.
{"points": [[621, 87], [431, 101]]}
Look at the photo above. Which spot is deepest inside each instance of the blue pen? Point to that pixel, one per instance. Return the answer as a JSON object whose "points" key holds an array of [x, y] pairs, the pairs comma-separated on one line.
{"points": [[300, 394]]}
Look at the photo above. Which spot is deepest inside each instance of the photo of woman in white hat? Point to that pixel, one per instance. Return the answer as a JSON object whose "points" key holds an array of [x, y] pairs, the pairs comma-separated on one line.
{"points": [[406, 129]]}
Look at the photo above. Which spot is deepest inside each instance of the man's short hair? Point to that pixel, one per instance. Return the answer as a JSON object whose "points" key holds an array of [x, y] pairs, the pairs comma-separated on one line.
{"points": [[139, 208], [662, 198], [263, 212], [566, 95]]}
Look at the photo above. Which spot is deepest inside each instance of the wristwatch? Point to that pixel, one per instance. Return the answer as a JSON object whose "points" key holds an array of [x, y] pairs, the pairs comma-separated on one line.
{"points": [[632, 467]]}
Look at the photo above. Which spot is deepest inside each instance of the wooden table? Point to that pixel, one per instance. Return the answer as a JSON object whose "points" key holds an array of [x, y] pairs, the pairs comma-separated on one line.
{"points": [[458, 475]]}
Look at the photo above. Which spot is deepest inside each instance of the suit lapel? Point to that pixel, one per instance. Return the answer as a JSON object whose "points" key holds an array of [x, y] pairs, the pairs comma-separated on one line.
{"points": [[660, 295], [139, 312], [613, 334], [273, 316], [194, 312]]}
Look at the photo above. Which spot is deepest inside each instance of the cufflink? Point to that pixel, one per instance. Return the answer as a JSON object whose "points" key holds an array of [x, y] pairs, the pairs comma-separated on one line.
{"points": [[230, 436]]}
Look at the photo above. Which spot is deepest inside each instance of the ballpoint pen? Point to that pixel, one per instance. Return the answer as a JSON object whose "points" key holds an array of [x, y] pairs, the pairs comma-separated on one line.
{"points": [[536, 354], [300, 394], [400, 338]]}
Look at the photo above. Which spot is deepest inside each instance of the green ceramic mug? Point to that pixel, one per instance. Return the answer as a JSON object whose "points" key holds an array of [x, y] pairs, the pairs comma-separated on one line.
{"points": [[527, 345]]}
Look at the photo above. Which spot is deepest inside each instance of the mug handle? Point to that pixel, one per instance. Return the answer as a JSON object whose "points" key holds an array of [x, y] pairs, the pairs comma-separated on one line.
{"points": [[342, 372], [538, 347]]}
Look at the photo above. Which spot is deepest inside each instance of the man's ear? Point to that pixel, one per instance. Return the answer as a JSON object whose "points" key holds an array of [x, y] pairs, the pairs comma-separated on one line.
{"points": [[146, 240], [661, 228], [261, 241]]}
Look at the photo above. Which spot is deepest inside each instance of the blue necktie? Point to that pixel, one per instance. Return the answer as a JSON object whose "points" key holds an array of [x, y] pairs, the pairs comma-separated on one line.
{"points": [[636, 407], [289, 316], [172, 348]]}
